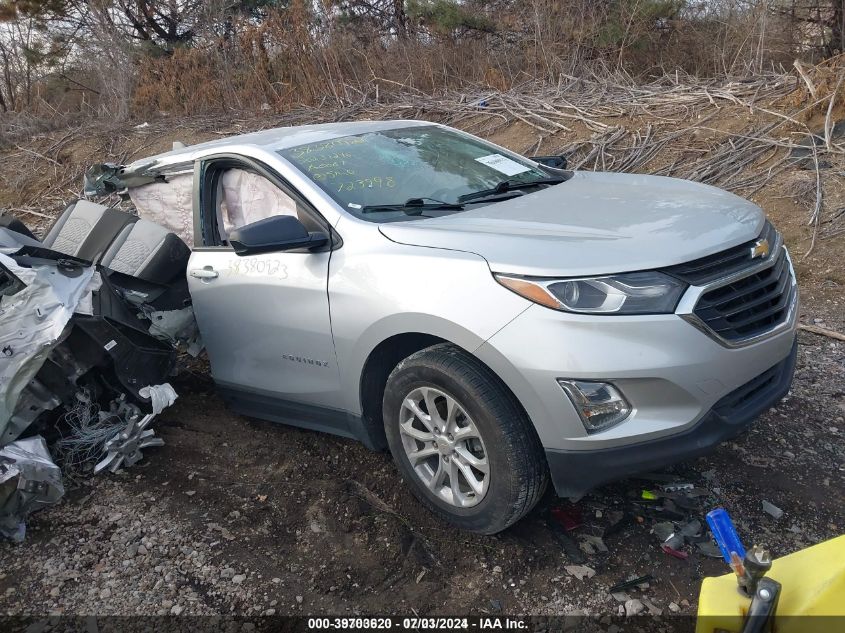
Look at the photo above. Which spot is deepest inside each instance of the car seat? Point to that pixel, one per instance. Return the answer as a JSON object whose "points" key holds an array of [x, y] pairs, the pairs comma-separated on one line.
{"points": [[119, 241]]}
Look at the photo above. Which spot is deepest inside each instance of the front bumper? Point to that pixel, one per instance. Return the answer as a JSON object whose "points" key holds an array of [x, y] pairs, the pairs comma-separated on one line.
{"points": [[576, 472]]}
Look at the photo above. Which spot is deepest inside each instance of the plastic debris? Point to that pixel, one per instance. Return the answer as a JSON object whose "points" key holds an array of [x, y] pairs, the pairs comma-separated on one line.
{"points": [[675, 487], [569, 517], [161, 396], [709, 549], [674, 552], [175, 327], [631, 582], [569, 544], [580, 571], [29, 481], [663, 530], [674, 542], [772, 509], [692, 529], [562, 520]]}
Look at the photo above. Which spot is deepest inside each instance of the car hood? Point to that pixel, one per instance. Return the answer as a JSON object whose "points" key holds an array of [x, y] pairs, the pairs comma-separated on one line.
{"points": [[594, 223]]}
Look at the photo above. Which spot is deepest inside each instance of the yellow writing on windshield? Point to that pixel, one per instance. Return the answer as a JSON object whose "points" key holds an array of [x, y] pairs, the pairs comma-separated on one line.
{"points": [[331, 174], [322, 146], [307, 160]]}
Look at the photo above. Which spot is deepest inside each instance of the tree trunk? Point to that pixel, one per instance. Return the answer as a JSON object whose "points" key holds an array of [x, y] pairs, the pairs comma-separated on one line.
{"points": [[400, 19], [837, 31]]}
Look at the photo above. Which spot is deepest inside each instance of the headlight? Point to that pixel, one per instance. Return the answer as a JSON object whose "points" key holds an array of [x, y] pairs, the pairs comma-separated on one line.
{"points": [[627, 293]]}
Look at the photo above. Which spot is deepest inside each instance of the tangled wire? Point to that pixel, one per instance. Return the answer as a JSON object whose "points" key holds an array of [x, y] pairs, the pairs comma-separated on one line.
{"points": [[87, 429]]}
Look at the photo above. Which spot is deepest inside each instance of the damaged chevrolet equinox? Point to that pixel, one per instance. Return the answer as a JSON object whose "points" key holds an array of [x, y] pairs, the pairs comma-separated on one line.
{"points": [[495, 321]]}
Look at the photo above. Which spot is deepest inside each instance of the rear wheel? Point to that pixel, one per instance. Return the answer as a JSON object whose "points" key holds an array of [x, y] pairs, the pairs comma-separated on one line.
{"points": [[458, 437]]}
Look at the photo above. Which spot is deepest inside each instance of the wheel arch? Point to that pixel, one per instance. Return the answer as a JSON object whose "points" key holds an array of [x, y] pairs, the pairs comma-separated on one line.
{"points": [[384, 358]]}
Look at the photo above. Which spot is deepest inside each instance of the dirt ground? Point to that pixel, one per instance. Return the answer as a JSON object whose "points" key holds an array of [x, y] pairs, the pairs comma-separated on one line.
{"points": [[241, 516]]}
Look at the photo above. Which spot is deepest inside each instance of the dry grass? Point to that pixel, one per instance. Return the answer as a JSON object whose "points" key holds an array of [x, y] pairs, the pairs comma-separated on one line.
{"points": [[737, 135]]}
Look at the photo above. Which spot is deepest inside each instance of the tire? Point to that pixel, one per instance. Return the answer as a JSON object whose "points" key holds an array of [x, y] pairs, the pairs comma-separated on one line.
{"points": [[506, 443]]}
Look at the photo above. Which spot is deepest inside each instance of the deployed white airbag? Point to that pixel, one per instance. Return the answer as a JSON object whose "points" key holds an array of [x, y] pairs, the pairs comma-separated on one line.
{"points": [[168, 204], [246, 198]]}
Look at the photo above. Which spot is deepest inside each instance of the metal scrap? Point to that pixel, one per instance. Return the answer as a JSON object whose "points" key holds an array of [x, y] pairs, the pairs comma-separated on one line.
{"points": [[29, 481], [124, 448], [107, 178], [114, 438], [32, 321]]}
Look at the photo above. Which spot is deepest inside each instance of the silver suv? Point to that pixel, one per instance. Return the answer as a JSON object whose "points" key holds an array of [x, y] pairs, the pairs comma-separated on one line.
{"points": [[495, 321]]}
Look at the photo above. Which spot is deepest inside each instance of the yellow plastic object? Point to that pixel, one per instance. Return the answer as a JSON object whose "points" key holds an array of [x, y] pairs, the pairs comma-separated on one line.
{"points": [[813, 584]]}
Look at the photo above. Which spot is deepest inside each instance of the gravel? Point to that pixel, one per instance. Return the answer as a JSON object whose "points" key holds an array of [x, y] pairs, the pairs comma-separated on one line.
{"points": [[244, 543]]}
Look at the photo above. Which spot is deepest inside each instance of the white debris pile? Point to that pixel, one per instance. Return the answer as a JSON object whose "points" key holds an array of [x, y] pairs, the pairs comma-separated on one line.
{"points": [[29, 481]]}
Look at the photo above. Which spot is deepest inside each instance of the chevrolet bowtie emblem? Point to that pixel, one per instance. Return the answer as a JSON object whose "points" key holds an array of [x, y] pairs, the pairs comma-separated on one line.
{"points": [[760, 249]]}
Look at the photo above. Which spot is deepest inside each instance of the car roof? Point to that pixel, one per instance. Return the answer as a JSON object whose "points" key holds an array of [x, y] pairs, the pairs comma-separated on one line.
{"points": [[283, 137]]}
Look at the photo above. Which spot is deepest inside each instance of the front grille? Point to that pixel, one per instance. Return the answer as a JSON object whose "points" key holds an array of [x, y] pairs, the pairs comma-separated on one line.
{"points": [[749, 306], [759, 389], [738, 398], [719, 265]]}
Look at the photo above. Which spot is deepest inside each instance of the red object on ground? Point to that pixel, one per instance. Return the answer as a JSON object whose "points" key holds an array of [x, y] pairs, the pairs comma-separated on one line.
{"points": [[569, 516], [674, 552]]}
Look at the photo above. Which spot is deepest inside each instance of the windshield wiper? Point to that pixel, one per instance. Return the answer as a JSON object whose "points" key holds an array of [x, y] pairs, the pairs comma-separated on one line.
{"points": [[508, 185], [413, 206]]}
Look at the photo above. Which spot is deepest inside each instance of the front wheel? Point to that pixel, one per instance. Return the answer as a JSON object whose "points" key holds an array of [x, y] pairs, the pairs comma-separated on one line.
{"points": [[459, 438]]}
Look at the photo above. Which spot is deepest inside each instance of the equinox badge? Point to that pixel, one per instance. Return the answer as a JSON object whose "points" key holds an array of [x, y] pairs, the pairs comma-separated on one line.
{"points": [[760, 249]]}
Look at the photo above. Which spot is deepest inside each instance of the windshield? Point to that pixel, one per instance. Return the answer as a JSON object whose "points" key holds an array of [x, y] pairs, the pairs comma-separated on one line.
{"points": [[426, 163]]}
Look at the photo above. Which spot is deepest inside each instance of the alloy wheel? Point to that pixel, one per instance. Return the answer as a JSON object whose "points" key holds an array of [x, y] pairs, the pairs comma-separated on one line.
{"points": [[444, 447]]}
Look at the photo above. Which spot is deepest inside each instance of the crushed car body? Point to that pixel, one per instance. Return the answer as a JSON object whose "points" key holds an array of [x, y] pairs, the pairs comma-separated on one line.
{"points": [[90, 321], [29, 480]]}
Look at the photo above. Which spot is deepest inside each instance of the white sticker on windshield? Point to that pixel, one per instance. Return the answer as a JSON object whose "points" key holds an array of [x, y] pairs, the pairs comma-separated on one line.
{"points": [[503, 164]]}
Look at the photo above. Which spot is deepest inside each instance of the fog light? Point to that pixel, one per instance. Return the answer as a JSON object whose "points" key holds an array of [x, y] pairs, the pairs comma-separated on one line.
{"points": [[599, 404]]}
